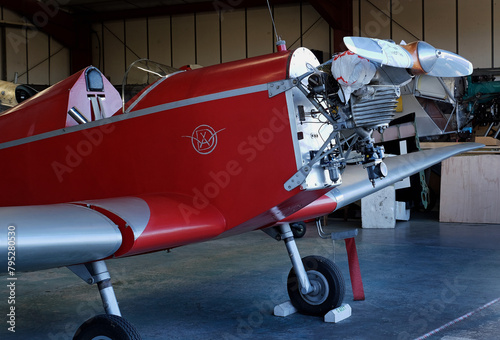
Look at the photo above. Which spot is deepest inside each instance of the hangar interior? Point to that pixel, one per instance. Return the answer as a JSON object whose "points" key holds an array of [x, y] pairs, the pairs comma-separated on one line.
{"points": [[433, 274], [118, 33]]}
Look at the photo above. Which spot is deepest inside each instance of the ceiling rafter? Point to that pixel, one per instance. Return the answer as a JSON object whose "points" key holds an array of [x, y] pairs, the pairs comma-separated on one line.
{"points": [[46, 17], [194, 7], [338, 14]]}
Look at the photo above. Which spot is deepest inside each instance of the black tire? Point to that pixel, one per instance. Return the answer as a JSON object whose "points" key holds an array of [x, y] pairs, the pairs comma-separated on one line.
{"points": [[298, 229], [107, 327], [329, 285]]}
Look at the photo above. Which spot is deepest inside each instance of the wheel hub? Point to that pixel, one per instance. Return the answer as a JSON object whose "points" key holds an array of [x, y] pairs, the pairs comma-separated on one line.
{"points": [[320, 288]]}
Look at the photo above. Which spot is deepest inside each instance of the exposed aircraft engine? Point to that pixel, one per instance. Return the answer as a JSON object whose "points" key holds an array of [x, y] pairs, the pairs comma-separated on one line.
{"points": [[353, 96], [355, 93]]}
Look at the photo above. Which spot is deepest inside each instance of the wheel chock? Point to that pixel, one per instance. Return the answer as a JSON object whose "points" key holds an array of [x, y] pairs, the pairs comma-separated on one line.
{"points": [[284, 309], [338, 314], [335, 315]]}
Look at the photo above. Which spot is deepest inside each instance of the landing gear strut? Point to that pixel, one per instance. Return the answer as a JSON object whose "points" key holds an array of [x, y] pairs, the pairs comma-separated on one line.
{"points": [[105, 326], [315, 284]]}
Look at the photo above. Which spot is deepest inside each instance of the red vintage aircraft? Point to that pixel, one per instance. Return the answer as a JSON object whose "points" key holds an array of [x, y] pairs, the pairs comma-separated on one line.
{"points": [[188, 156]]}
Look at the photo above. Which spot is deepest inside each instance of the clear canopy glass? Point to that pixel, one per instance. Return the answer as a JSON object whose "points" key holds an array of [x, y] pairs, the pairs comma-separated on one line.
{"points": [[140, 76]]}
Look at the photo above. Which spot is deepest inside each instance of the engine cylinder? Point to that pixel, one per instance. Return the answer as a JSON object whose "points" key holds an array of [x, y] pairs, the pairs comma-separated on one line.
{"points": [[375, 107]]}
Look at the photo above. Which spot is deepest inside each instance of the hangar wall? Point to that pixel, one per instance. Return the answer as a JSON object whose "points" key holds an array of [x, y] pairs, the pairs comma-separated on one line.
{"points": [[206, 38], [471, 28], [36, 57]]}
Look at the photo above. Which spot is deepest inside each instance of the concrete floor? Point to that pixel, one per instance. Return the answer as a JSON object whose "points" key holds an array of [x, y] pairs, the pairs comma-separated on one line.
{"points": [[417, 277]]}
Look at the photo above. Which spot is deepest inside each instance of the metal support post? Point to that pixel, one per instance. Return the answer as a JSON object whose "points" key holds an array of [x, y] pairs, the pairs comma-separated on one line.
{"points": [[293, 252], [97, 272], [497, 133], [108, 297]]}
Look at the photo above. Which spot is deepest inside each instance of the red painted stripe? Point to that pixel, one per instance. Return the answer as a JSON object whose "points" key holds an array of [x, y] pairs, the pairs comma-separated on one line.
{"points": [[354, 270], [320, 207]]}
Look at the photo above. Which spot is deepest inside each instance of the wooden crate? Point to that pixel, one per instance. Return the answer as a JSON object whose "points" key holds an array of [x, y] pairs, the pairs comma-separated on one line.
{"points": [[470, 189], [488, 141]]}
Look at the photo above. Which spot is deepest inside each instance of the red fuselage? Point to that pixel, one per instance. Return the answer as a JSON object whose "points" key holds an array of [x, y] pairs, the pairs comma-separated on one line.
{"points": [[203, 147]]}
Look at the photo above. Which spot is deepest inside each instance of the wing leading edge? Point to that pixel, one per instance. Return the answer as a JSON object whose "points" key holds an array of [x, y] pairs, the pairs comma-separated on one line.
{"points": [[355, 185], [57, 235], [41, 237]]}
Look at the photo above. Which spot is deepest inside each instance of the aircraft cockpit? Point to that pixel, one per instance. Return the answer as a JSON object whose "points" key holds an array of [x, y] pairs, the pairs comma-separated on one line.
{"points": [[91, 98], [140, 78]]}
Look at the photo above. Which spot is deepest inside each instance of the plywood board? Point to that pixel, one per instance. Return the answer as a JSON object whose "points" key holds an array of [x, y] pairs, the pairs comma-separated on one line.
{"points": [[435, 145], [469, 189], [488, 141]]}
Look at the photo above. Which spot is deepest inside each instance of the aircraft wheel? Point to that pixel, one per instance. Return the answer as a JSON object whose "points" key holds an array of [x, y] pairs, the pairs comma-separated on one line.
{"points": [[298, 229], [328, 287], [107, 327]]}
